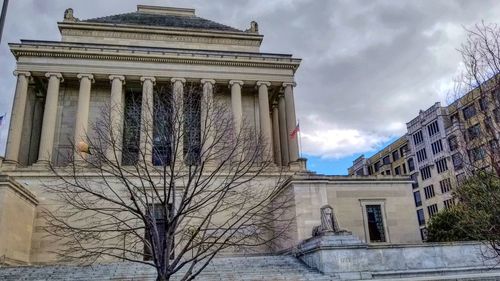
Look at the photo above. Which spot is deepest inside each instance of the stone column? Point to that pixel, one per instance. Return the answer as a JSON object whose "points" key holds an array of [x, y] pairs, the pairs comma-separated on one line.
{"points": [[208, 124], [116, 117], [236, 104], [17, 117], [49, 118], [146, 134], [265, 119], [291, 122], [276, 134], [178, 115], [82, 111], [285, 157]]}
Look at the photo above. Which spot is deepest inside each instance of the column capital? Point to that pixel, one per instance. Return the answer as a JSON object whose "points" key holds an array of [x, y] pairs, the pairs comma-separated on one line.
{"points": [[182, 80], [263, 83], [86, 75], [275, 104], [119, 77], [148, 78], [55, 74], [286, 84], [23, 73], [238, 82], [209, 81]]}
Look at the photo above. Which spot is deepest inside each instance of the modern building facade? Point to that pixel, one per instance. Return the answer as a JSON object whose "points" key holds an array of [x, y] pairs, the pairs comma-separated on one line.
{"points": [[61, 85], [445, 144]]}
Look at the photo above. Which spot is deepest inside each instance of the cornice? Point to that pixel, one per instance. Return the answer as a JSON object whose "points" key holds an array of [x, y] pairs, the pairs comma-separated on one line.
{"points": [[159, 33], [94, 53]]}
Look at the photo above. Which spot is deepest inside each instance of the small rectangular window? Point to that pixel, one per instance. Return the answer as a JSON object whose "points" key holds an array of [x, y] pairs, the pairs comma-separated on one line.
{"points": [[417, 198], [429, 191], [432, 210], [433, 128], [425, 173], [421, 155], [418, 137], [437, 147], [397, 171], [469, 111], [411, 165], [395, 155], [375, 223], [441, 166], [449, 203], [445, 185], [421, 217], [453, 143], [414, 178]]}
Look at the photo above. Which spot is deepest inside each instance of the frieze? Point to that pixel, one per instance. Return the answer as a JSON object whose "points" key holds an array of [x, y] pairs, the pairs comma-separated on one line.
{"points": [[160, 37], [155, 59]]}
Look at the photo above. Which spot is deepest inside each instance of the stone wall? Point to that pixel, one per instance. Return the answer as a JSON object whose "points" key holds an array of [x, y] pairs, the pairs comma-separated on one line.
{"points": [[351, 259], [17, 213]]}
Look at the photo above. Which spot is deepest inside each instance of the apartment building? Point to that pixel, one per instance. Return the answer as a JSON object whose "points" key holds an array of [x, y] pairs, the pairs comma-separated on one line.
{"points": [[391, 160]]}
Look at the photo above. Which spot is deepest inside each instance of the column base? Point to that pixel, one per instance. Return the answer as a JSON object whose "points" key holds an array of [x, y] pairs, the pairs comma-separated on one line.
{"points": [[9, 165], [298, 166]]}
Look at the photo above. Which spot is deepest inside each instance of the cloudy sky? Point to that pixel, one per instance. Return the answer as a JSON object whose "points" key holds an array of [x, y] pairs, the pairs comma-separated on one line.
{"points": [[368, 65]]}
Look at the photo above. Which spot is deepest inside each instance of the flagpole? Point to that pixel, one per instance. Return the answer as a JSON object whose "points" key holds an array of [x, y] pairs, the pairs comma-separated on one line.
{"points": [[300, 140], [2, 17]]}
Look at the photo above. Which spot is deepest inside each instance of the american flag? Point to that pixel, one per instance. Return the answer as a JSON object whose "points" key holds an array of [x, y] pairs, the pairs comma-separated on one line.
{"points": [[293, 134]]}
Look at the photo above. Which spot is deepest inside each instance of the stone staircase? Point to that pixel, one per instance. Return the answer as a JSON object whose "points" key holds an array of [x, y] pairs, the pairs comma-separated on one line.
{"points": [[228, 268]]}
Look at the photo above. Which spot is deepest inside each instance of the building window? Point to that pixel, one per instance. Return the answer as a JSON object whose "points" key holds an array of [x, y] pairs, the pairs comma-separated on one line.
{"points": [[414, 178], [433, 128], [418, 137], [453, 143], [441, 165], [474, 132], [448, 203], [388, 172], [445, 185], [477, 153], [432, 210], [375, 223], [404, 169], [397, 171], [421, 217], [461, 178], [469, 111], [424, 233], [386, 160], [417, 198], [421, 155], [425, 173], [457, 160], [157, 215], [377, 166], [192, 126], [411, 165], [437, 147], [162, 122], [131, 127], [403, 150], [395, 155], [360, 172], [429, 191], [370, 170], [483, 104], [454, 118]]}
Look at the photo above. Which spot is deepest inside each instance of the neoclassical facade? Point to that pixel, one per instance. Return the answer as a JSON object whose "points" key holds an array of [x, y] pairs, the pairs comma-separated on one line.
{"points": [[110, 60]]}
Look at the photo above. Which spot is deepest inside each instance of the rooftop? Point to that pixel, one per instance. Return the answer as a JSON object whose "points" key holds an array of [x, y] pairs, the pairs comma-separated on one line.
{"points": [[155, 16]]}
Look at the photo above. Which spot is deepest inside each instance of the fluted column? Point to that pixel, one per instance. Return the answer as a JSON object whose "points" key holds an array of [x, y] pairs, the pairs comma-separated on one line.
{"points": [[276, 135], [265, 119], [291, 122], [236, 104], [207, 119], [116, 117], [178, 115], [49, 118], [82, 111], [17, 117], [146, 134], [285, 157]]}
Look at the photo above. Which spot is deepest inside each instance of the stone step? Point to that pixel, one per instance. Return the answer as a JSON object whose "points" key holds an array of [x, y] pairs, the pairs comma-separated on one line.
{"points": [[273, 268]]}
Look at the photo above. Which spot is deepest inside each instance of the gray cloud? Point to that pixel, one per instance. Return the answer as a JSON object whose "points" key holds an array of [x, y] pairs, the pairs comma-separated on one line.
{"points": [[368, 67]]}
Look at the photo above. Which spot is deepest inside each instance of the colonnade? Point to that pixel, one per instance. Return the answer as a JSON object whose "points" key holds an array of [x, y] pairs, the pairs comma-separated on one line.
{"points": [[276, 132]]}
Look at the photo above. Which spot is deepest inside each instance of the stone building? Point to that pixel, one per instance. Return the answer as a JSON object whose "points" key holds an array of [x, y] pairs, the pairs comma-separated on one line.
{"points": [[61, 86]]}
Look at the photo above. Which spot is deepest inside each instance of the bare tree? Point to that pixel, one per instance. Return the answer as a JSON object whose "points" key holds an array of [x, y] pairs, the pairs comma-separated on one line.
{"points": [[180, 185], [476, 111]]}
